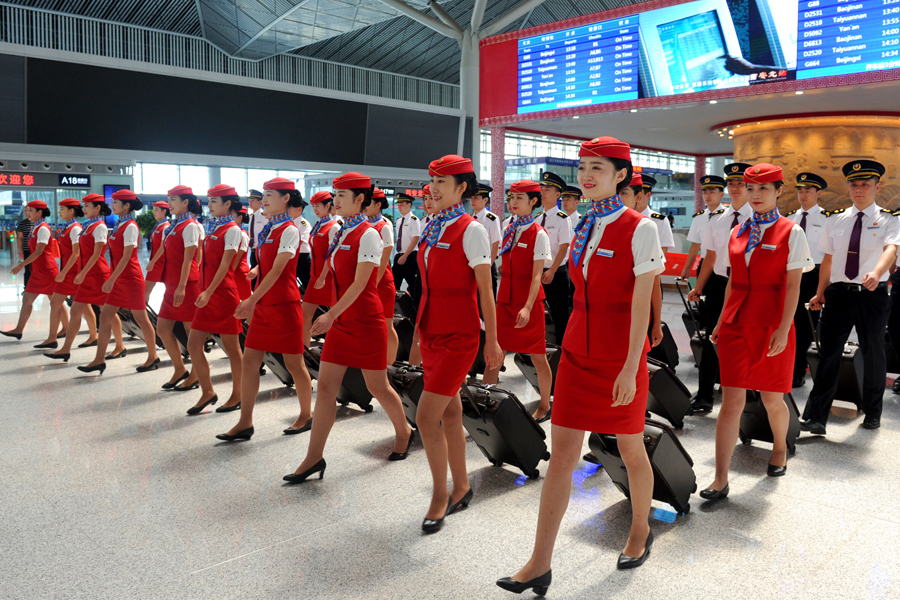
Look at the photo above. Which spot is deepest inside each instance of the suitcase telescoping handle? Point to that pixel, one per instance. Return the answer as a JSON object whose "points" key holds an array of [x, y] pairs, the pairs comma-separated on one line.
{"points": [[687, 307], [812, 325], [465, 393]]}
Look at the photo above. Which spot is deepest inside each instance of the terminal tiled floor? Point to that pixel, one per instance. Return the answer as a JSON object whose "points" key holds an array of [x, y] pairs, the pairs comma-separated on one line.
{"points": [[109, 490]]}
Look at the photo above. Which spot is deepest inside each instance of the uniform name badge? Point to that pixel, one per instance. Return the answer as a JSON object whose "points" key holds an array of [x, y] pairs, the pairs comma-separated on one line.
{"points": [[521, 245], [769, 246], [443, 245], [345, 246], [213, 237], [268, 241], [605, 253]]}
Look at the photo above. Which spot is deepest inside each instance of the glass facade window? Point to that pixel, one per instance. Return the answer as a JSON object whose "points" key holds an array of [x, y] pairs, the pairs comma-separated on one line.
{"points": [[196, 178], [257, 177], [236, 178], [158, 179]]}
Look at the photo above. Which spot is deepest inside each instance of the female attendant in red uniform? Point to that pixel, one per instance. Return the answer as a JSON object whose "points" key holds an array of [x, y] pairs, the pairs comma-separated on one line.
{"points": [[385, 277], [181, 276], [520, 303], [125, 287], [93, 274], [602, 381], [67, 235], [320, 239], [767, 255], [274, 310], [43, 270], [357, 336], [161, 214], [454, 267], [240, 267], [219, 299]]}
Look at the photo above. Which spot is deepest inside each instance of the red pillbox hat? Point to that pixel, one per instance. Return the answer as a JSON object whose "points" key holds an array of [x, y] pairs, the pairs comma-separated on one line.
{"points": [[351, 181], [451, 164], [763, 173], [524, 186], [37, 204], [180, 190], [69, 202], [607, 147], [279, 184], [321, 197], [124, 195], [221, 190]]}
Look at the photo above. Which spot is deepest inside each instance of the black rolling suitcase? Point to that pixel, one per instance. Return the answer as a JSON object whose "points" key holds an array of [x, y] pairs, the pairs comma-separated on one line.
{"points": [[353, 387], [242, 337], [275, 363], [550, 327], [503, 430], [673, 470], [525, 364], [405, 329], [850, 380], [178, 330], [667, 351], [668, 396], [755, 421], [407, 380], [129, 325], [691, 318], [405, 306]]}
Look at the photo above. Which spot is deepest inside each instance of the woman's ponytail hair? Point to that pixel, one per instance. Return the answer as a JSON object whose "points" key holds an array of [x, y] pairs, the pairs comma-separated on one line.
{"points": [[619, 164], [232, 202], [79, 211], [193, 204], [296, 199], [471, 184], [367, 196]]}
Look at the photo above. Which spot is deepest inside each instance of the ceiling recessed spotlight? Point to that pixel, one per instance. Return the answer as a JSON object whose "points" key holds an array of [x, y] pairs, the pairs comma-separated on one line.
{"points": [[799, 92], [576, 117], [633, 110], [713, 101], [23, 165], [89, 168]]}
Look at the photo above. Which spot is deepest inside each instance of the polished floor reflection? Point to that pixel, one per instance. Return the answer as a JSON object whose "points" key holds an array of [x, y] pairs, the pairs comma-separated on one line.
{"points": [[110, 491]]}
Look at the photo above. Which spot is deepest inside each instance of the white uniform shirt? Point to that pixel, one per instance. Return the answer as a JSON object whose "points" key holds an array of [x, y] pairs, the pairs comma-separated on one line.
{"points": [[698, 227], [799, 256], [666, 238], [541, 242], [475, 243], [557, 224], [233, 238], [815, 225], [718, 232], [43, 235], [191, 234], [290, 239], [879, 229], [257, 221], [100, 233], [491, 224], [645, 247], [370, 246], [573, 221], [130, 234], [74, 233], [408, 227], [245, 241], [387, 235], [304, 228]]}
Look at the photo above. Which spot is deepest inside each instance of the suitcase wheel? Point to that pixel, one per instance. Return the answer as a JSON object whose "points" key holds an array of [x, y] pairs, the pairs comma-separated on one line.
{"points": [[694, 491], [745, 440], [792, 449], [262, 370], [369, 408], [687, 509], [497, 463], [534, 474], [679, 425], [546, 456]]}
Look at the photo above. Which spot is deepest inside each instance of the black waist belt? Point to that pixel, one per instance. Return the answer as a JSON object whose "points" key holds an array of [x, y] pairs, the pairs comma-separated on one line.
{"points": [[858, 287]]}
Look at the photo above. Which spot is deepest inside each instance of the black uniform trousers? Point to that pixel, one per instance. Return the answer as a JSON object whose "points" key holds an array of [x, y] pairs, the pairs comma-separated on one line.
{"points": [[809, 285], [557, 295], [709, 358], [408, 272], [844, 309], [304, 267], [253, 264], [893, 326]]}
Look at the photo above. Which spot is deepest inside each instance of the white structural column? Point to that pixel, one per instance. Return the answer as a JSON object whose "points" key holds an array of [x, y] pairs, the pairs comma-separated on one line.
{"points": [[498, 170]]}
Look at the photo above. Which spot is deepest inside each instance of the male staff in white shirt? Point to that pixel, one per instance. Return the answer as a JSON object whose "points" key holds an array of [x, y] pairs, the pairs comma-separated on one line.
{"points": [[304, 257], [713, 189], [409, 230], [666, 237], [556, 274], [491, 223], [258, 220], [811, 219], [571, 196], [859, 245]]}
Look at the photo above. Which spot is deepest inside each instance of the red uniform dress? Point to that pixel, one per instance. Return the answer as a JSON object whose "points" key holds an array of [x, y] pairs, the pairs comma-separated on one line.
{"points": [[448, 319], [242, 269], [595, 346], [128, 290], [91, 289], [218, 315], [156, 240], [358, 337], [67, 286], [386, 289], [175, 249], [515, 284], [44, 269], [277, 323], [753, 312], [319, 243]]}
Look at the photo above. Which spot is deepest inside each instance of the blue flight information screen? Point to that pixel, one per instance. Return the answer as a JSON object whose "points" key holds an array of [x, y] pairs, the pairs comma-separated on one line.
{"points": [[593, 64], [837, 37]]}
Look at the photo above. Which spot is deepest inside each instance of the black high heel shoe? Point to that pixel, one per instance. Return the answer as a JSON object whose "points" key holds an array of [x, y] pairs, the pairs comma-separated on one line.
{"points": [[319, 468], [395, 456], [62, 357], [776, 471], [46, 346], [151, 367], [244, 434], [196, 410], [711, 494], [101, 367], [628, 562], [88, 344], [172, 384], [225, 409], [435, 525], [18, 336], [295, 431], [121, 354], [538, 584], [462, 503], [182, 388]]}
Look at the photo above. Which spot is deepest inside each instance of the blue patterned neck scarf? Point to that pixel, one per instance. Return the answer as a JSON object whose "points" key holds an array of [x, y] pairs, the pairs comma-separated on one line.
{"points": [[87, 225], [374, 220], [123, 221], [178, 220], [348, 224], [35, 225], [510, 234], [433, 231], [754, 224], [599, 208], [217, 222], [65, 225], [273, 221], [160, 223], [318, 225]]}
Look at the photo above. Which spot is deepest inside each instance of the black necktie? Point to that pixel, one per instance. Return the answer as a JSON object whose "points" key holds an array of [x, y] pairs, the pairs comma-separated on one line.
{"points": [[543, 219], [400, 235], [851, 269], [735, 222], [803, 221], [253, 229]]}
